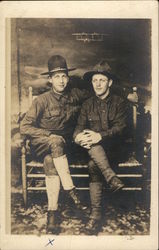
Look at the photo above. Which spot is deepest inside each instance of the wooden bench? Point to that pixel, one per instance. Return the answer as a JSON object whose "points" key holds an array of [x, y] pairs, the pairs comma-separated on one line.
{"points": [[33, 177]]}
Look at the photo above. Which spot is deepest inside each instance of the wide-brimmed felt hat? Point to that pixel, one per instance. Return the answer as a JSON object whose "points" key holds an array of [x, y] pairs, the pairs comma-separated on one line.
{"points": [[100, 68], [57, 63]]}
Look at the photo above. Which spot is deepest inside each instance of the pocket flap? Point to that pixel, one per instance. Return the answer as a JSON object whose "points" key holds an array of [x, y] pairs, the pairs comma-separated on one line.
{"points": [[51, 113]]}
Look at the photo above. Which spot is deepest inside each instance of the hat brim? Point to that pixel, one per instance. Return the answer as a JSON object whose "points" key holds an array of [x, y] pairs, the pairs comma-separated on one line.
{"points": [[88, 75], [58, 70]]}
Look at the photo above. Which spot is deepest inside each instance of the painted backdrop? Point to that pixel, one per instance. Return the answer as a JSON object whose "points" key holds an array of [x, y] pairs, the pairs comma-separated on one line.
{"points": [[126, 46]]}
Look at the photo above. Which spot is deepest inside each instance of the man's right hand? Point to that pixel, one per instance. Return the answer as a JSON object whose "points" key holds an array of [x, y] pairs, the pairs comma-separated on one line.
{"points": [[79, 140], [79, 137], [87, 138]]}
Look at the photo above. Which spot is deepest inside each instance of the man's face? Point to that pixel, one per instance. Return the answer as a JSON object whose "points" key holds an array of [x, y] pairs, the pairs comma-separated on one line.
{"points": [[59, 81], [101, 84]]}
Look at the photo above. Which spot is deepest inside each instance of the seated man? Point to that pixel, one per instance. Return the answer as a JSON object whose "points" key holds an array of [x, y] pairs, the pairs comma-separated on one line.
{"points": [[100, 125], [49, 124]]}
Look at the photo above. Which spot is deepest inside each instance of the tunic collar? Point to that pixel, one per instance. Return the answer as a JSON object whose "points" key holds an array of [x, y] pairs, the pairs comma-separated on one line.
{"points": [[105, 100], [58, 96]]}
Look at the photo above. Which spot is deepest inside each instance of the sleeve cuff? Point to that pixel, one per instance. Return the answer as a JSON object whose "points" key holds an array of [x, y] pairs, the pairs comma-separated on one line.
{"points": [[75, 134], [105, 134]]}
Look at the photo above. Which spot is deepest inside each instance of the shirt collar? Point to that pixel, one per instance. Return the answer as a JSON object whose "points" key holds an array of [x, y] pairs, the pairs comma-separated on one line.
{"points": [[58, 96], [106, 100]]}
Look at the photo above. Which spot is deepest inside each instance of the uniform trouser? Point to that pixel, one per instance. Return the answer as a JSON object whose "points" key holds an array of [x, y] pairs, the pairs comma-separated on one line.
{"points": [[44, 145], [52, 150], [55, 147], [47, 149], [99, 168], [106, 154], [99, 157]]}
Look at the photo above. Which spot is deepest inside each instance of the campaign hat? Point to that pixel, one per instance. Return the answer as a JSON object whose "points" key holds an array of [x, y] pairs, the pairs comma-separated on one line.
{"points": [[101, 68], [57, 63]]}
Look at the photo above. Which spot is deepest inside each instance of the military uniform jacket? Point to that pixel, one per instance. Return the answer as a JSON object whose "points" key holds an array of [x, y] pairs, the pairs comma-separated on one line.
{"points": [[108, 116], [52, 113]]}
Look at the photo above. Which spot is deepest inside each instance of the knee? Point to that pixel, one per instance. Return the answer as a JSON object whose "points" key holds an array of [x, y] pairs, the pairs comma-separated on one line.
{"points": [[49, 167], [57, 141], [97, 153], [96, 149], [57, 146]]}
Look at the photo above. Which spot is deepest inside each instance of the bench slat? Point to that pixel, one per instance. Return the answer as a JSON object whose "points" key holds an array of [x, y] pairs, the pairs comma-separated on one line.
{"points": [[86, 175], [84, 188], [39, 164]]}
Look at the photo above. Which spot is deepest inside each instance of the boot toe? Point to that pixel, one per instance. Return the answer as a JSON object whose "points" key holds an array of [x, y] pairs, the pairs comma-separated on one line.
{"points": [[75, 199], [116, 184]]}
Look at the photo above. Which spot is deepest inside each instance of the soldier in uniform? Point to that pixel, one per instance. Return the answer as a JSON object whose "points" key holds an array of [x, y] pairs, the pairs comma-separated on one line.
{"points": [[49, 124], [100, 126]]}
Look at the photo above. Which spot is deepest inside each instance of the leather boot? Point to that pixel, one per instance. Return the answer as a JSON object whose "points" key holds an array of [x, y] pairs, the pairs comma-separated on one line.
{"points": [[52, 226], [74, 197], [116, 184], [93, 227], [99, 156], [94, 224]]}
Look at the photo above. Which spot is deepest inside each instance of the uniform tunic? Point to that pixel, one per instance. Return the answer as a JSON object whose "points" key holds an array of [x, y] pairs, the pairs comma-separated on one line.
{"points": [[52, 113], [108, 116]]}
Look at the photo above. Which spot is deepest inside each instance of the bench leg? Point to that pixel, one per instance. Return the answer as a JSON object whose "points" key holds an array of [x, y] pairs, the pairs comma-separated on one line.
{"points": [[24, 177]]}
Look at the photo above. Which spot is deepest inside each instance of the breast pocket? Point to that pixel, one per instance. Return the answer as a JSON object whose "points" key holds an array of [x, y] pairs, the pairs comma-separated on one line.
{"points": [[93, 122], [52, 113]]}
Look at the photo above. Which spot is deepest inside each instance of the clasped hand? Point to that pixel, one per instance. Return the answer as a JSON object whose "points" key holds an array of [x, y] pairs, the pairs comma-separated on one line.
{"points": [[87, 138]]}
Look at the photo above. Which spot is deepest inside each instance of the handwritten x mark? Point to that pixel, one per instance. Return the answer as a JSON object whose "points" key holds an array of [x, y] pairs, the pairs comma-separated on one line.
{"points": [[50, 242]]}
